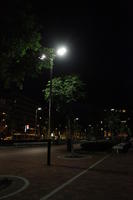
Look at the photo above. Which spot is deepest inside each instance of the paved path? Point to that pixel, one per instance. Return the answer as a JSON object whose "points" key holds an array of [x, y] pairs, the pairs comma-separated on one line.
{"points": [[110, 179]]}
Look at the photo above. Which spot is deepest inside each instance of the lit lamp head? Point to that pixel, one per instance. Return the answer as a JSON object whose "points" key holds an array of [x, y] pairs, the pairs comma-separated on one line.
{"points": [[61, 51], [42, 57]]}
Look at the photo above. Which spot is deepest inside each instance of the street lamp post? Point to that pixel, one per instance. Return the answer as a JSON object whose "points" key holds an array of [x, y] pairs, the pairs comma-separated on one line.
{"points": [[59, 52], [50, 103]]}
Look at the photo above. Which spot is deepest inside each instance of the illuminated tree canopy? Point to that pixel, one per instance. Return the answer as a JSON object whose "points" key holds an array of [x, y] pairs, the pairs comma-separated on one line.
{"points": [[65, 90]]}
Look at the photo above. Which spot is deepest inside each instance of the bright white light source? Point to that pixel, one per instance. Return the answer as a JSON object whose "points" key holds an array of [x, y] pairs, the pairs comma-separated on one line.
{"points": [[61, 51], [52, 135], [112, 109], [42, 57], [39, 108]]}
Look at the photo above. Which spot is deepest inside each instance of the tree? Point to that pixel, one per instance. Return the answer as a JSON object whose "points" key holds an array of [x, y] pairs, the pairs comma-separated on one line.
{"points": [[20, 47], [66, 91]]}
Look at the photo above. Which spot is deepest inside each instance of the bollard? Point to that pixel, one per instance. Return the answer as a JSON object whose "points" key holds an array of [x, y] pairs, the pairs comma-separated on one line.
{"points": [[49, 153]]}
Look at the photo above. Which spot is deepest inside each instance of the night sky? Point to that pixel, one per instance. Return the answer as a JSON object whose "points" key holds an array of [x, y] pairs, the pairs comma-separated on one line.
{"points": [[99, 37]]}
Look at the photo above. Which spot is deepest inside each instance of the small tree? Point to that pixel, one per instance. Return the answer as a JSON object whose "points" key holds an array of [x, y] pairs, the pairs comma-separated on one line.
{"points": [[65, 91]]}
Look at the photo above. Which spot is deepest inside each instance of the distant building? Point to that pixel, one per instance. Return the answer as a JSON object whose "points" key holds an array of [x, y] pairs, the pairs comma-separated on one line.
{"points": [[17, 113], [125, 117]]}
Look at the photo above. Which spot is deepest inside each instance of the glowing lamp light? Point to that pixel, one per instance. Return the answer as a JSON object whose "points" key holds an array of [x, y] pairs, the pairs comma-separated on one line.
{"points": [[42, 57], [52, 135], [61, 51], [39, 108]]}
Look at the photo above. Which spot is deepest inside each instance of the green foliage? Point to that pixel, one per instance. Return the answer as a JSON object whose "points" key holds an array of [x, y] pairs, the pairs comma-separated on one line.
{"points": [[20, 47], [65, 90]]}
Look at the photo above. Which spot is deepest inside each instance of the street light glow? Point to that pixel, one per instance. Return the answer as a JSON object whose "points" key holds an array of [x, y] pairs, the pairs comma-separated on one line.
{"points": [[42, 57], [39, 108], [61, 51]]}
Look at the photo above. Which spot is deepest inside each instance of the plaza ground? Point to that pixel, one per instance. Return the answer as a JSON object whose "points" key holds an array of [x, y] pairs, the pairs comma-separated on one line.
{"points": [[110, 179]]}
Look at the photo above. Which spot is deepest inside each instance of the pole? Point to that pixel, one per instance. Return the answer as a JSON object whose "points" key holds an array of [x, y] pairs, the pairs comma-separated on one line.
{"points": [[50, 103], [36, 123], [49, 119], [49, 153]]}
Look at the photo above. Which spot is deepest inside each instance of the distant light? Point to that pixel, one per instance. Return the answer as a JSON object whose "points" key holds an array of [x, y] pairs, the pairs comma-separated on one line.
{"points": [[124, 121], [61, 51], [123, 110], [101, 129], [3, 113], [27, 127], [42, 57], [77, 119], [101, 122], [39, 108], [112, 109], [52, 134]]}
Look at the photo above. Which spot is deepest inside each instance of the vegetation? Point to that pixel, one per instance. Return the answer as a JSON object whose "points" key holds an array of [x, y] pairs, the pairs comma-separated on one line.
{"points": [[20, 47], [65, 90]]}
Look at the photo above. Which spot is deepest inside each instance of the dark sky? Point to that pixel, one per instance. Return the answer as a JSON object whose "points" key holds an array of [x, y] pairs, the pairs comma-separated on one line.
{"points": [[99, 37]]}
